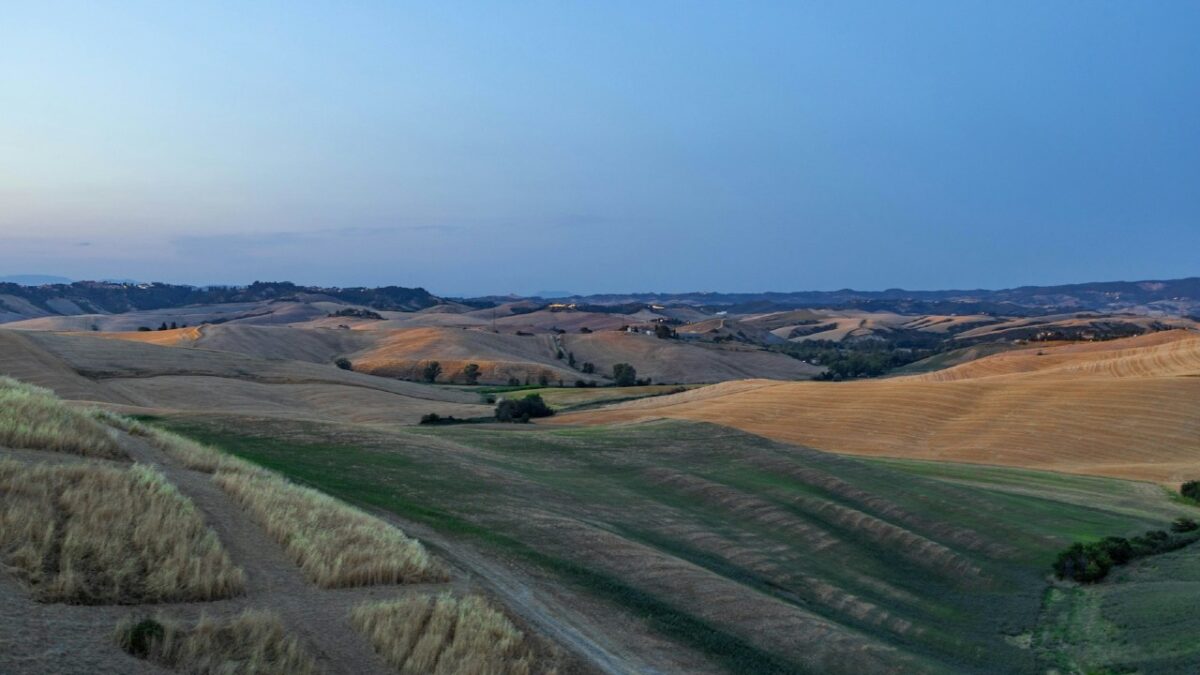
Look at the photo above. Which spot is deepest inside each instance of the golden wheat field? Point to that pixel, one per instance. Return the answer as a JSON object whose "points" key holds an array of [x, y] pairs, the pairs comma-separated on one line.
{"points": [[1127, 408]]}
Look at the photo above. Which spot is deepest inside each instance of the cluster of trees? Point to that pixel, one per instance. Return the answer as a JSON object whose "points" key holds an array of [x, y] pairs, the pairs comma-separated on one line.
{"points": [[522, 409], [357, 313], [873, 357], [163, 326], [1091, 562]]}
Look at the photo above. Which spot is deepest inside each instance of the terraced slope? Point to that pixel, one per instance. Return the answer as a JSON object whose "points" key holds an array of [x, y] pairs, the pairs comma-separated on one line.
{"points": [[1126, 408]]}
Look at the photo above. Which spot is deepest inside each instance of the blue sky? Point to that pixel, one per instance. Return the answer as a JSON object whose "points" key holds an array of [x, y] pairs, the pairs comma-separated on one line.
{"points": [[512, 147]]}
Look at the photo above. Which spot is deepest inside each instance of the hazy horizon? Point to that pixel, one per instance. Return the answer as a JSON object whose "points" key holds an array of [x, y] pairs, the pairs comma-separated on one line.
{"points": [[477, 149]]}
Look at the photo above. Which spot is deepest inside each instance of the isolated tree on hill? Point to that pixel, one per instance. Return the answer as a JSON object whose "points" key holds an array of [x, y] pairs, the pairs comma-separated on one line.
{"points": [[522, 410], [624, 375], [431, 371], [163, 326], [588, 367], [543, 378], [558, 355], [471, 373], [663, 332], [571, 359], [173, 326]]}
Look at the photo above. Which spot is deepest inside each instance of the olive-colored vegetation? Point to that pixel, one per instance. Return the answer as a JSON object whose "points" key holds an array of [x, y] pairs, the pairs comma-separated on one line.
{"points": [[93, 534], [32, 417], [444, 635], [251, 643]]}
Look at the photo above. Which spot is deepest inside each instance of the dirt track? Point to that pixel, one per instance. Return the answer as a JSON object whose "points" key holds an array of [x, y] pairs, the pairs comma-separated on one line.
{"points": [[41, 638]]}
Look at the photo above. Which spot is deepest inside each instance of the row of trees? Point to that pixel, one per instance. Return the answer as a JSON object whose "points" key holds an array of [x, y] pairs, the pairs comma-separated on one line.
{"points": [[1091, 562]]}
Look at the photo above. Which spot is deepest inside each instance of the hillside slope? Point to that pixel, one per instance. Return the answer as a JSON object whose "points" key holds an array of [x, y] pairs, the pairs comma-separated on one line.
{"points": [[1127, 408]]}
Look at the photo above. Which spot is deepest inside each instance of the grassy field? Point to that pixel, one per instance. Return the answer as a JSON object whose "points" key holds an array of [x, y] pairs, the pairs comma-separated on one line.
{"points": [[760, 556], [92, 534], [444, 635], [32, 417]]}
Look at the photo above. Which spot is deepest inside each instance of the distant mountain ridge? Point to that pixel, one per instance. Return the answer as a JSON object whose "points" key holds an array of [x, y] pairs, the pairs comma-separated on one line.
{"points": [[1174, 297], [1169, 296], [98, 297]]}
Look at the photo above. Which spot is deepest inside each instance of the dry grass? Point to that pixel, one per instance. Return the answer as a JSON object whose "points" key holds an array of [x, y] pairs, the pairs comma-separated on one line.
{"points": [[189, 453], [444, 635], [32, 417], [251, 642], [335, 544], [93, 534]]}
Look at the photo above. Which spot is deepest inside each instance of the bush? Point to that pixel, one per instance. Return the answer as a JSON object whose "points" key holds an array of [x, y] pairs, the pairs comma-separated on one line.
{"points": [[1191, 490], [143, 329], [140, 637], [522, 410], [1089, 563], [431, 418], [514, 382], [343, 363], [588, 368], [584, 383], [1184, 525]]}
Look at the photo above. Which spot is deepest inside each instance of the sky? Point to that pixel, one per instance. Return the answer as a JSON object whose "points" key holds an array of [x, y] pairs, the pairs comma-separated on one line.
{"points": [[513, 147]]}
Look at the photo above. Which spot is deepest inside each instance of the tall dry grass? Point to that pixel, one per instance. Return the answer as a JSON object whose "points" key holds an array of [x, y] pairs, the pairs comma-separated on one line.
{"points": [[444, 635], [93, 534], [335, 544], [32, 417], [251, 643], [189, 453]]}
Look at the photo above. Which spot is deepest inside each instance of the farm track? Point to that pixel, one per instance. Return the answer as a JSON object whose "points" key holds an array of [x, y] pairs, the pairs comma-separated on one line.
{"points": [[39, 638]]}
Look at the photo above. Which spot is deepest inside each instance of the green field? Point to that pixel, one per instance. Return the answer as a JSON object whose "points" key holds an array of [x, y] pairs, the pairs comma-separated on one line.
{"points": [[762, 557]]}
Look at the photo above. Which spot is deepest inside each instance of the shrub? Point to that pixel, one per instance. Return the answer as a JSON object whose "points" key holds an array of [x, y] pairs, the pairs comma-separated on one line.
{"points": [[344, 363], [431, 371], [522, 410], [138, 638], [514, 382], [1184, 525], [543, 378], [431, 418], [588, 368], [1191, 490]]}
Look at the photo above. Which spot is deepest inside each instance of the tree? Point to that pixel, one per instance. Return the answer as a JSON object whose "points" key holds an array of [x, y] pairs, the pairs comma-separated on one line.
{"points": [[588, 368], [514, 382], [571, 359], [431, 371], [663, 332], [543, 378], [471, 373], [173, 326], [559, 355], [163, 326], [343, 363], [624, 375]]}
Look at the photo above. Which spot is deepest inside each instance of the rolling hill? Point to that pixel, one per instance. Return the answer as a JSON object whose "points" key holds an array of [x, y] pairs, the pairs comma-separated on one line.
{"points": [[1125, 408]]}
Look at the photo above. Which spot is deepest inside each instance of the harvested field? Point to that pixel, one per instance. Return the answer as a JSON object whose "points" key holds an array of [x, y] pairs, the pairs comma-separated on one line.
{"points": [[251, 642], [92, 534], [336, 545], [32, 417], [444, 635], [1126, 408]]}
